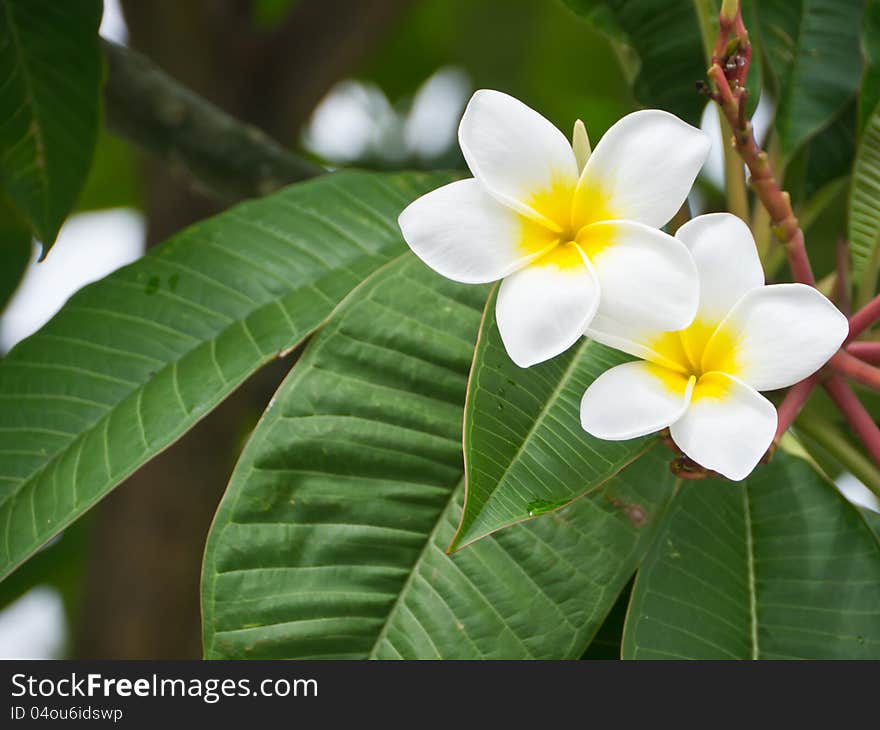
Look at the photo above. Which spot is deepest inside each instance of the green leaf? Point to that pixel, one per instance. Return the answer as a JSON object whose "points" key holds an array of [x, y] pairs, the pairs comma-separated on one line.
{"points": [[780, 566], [812, 52], [665, 35], [525, 450], [115, 179], [49, 102], [864, 213], [873, 520], [830, 153], [62, 565], [267, 14], [869, 94], [330, 540], [606, 643], [15, 251], [133, 361]]}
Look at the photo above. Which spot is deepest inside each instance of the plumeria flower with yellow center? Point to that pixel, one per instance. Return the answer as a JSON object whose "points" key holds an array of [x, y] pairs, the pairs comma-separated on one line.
{"points": [[571, 233], [703, 381]]}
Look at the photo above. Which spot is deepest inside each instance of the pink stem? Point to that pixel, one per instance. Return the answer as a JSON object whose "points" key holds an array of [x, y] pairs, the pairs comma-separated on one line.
{"points": [[860, 371], [864, 318], [728, 71], [855, 413], [793, 402], [867, 351]]}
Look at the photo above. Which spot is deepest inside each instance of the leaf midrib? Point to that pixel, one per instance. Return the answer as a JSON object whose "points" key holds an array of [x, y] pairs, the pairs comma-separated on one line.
{"points": [[548, 405], [750, 573], [392, 611]]}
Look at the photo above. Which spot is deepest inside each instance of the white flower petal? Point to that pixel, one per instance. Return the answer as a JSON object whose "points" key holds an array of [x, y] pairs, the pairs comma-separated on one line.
{"points": [[634, 399], [646, 276], [515, 152], [466, 235], [642, 169], [776, 336], [727, 261], [543, 309], [728, 426]]}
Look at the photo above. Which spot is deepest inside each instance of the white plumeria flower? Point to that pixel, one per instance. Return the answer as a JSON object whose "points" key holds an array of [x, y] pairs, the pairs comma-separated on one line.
{"points": [[703, 381], [562, 226]]}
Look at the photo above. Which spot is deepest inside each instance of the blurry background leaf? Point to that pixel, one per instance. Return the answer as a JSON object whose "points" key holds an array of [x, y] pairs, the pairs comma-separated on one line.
{"points": [[780, 566], [49, 102], [665, 36], [864, 211], [525, 450], [830, 153], [268, 13], [113, 180], [534, 51], [813, 60], [60, 565], [869, 95], [133, 361], [15, 250], [817, 178], [330, 541]]}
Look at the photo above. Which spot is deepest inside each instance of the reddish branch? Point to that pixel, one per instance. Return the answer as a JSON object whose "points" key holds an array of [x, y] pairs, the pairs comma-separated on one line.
{"points": [[867, 351], [728, 71], [730, 66], [855, 413], [794, 401], [856, 369], [864, 318]]}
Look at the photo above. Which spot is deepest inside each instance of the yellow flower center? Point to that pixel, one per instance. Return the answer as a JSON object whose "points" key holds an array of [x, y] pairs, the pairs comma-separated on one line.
{"points": [[701, 351], [564, 224]]}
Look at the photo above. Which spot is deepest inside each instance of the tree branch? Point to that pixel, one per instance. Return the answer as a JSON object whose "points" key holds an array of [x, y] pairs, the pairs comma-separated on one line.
{"points": [[827, 435], [859, 418], [864, 318], [222, 157], [846, 363], [728, 71], [795, 399], [867, 351]]}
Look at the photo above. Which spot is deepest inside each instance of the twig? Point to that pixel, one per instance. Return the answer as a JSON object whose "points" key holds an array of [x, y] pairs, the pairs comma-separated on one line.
{"points": [[792, 403], [829, 437], [224, 157], [728, 71], [855, 413], [867, 351], [864, 318], [848, 364]]}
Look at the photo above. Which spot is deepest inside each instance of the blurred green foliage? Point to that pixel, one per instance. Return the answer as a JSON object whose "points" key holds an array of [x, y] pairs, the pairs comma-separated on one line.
{"points": [[536, 51]]}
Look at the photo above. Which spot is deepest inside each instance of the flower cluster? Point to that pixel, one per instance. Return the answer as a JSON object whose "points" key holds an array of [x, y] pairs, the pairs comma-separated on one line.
{"points": [[575, 237]]}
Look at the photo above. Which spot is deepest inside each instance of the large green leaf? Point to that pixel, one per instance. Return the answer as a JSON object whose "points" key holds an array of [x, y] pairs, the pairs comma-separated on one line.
{"points": [[665, 35], [780, 566], [830, 153], [869, 94], [330, 541], [812, 52], [525, 450], [50, 77], [131, 362], [864, 212]]}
